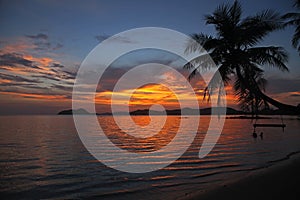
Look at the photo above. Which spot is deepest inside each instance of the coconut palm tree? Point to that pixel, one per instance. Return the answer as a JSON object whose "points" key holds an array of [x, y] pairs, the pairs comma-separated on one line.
{"points": [[235, 52], [294, 20]]}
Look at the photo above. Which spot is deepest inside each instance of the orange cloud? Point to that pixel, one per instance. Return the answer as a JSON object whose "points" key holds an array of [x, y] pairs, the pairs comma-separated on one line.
{"points": [[21, 46], [5, 81], [146, 95], [43, 62], [30, 68], [156, 94], [153, 93], [38, 96], [17, 70], [140, 98]]}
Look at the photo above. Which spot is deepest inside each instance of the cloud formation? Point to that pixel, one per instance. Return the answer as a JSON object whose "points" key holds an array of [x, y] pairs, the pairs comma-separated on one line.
{"points": [[13, 78], [14, 60], [25, 74], [116, 39], [100, 38], [38, 36], [28, 71], [42, 42]]}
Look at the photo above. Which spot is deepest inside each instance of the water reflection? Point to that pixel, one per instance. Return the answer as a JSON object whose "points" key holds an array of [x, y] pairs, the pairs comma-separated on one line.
{"points": [[136, 144], [43, 157]]}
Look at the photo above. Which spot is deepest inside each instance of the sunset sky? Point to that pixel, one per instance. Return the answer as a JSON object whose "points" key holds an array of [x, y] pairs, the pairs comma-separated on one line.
{"points": [[42, 44]]}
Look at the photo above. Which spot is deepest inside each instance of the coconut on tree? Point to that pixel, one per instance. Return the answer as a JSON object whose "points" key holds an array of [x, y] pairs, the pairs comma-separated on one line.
{"points": [[235, 51]]}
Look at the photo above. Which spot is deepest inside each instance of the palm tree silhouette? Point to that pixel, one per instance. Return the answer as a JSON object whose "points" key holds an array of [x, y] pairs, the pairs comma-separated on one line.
{"points": [[294, 20], [236, 55]]}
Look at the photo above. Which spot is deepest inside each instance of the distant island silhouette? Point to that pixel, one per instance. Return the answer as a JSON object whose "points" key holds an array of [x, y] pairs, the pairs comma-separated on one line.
{"points": [[80, 111], [184, 111]]}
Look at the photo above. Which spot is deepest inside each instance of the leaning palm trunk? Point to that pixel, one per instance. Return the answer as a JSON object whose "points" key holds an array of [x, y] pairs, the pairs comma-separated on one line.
{"points": [[255, 90], [279, 105]]}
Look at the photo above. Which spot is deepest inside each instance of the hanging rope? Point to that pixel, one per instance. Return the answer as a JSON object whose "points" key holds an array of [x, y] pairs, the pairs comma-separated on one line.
{"points": [[256, 118], [283, 125]]}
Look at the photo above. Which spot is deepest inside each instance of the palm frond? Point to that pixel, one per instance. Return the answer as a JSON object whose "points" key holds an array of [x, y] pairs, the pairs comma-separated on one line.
{"points": [[203, 62], [225, 17], [294, 20], [297, 4], [247, 89], [296, 37], [255, 28], [194, 72], [273, 56], [235, 12], [195, 43], [201, 43], [293, 17]]}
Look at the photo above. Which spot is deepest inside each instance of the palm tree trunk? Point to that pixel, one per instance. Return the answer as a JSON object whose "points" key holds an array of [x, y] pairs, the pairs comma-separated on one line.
{"points": [[286, 108], [279, 105]]}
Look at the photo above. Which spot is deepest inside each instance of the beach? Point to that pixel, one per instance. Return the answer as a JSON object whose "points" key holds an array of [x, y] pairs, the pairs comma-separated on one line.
{"points": [[278, 181]]}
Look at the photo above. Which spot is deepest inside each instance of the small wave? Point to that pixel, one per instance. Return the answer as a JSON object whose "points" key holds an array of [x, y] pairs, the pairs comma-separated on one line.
{"points": [[288, 156]]}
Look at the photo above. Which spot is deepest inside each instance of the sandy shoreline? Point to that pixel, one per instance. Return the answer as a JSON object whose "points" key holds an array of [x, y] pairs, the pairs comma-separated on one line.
{"points": [[279, 181]]}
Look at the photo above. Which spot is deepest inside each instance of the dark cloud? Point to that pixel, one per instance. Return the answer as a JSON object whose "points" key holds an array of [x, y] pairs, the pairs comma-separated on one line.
{"points": [[41, 41], [60, 74], [14, 59], [295, 95], [54, 70], [17, 60], [56, 65], [112, 74], [35, 86], [62, 87], [32, 89], [69, 75], [54, 79], [12, 84], [110, 78], [144, 56], [38, 36], [46, 77], [100, 38], [42, 45], [280, 85], [120, 39], [57, 46], [69, 83], [18, 78]]}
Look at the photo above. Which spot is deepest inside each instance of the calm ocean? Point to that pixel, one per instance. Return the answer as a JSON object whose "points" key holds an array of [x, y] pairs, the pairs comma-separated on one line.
{"points": [[42, 157]]}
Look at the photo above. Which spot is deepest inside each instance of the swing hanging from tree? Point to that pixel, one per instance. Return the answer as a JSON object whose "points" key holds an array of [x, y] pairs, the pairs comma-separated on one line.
{"points": [[282, 125]]}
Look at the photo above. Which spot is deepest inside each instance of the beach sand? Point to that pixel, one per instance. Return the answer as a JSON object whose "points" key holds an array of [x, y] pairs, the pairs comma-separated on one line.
{"points": [[279, 181]]}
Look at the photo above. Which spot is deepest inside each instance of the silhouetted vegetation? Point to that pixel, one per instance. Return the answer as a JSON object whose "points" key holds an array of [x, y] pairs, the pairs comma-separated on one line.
{"points": [[294, 20], [235, 51]]}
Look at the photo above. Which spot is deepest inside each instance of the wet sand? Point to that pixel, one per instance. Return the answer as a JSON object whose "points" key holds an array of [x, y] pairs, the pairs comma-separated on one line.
{"points": [[279, 181]]}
